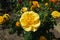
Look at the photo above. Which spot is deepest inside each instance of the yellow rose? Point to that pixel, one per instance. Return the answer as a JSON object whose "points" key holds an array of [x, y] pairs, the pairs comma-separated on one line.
{"points": [[43, 38], [6, 16], [30, 21], [55, 14], [1, 19], [24, 9], [46, 4]]}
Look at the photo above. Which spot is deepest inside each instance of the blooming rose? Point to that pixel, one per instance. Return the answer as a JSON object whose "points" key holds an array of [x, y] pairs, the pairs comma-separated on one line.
{"points": [[30, 21]]}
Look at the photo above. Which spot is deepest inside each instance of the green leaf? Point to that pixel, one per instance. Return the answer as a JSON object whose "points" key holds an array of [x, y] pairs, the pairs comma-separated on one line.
{"points": [[27, 35]]}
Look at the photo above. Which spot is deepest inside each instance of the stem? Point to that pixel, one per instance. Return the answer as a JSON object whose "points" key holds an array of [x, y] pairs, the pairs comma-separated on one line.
{"points": [[27, 35]]}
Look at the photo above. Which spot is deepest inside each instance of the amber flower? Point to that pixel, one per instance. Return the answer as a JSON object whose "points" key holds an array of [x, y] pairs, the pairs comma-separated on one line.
{"points": [[17, 24], [54, 1], [30, 21], [35, 4]]}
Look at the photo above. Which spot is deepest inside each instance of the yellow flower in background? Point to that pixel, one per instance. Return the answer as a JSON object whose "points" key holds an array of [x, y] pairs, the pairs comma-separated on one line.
{"points": [[30, 21], [43, 38], [54, 1], [6, 16], [55, 14], [1, 19], [46, 4], [35, 4], [24, 9], [17, 24]]}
